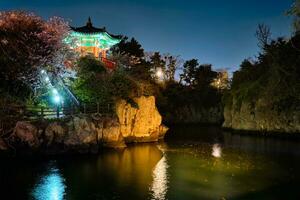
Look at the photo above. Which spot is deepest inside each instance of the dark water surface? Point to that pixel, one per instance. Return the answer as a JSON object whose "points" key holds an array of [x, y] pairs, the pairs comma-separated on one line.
{"points": [[193, 163]]}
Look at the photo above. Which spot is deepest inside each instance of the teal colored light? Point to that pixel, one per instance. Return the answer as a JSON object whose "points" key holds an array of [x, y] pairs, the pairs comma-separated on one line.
{"points": [[50, 187], [100, 40]]}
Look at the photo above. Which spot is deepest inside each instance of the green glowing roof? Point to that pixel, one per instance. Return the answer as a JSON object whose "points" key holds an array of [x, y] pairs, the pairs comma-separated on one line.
{"points": [[89, 36]]}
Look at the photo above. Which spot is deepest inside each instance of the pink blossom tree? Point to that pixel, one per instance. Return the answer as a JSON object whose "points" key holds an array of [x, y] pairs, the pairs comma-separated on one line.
{"points": [[28, 44]]}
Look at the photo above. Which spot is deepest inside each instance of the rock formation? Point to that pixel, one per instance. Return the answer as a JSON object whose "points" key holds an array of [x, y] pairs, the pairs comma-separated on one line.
{"points": [[192, 114], [260, 116], [86, 133], [142, 123]]}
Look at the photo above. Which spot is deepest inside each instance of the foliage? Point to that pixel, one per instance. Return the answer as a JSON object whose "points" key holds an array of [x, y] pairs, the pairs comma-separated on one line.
{"points": [[263, 35], [121, 85], [294, 11], [196, 75], [95, 84], [274, 77], [28, 43], [172, 64], [157, 64], [130, 47], [189, 71], [90, 84]]}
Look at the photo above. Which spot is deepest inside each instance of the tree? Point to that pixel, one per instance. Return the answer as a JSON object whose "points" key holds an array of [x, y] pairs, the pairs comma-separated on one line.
{"points": [[131, 48], [204, 76], [27, 44], [172, 64], [189, 71], [295, 13], [263, 35], [94, 84], [158, 66]]}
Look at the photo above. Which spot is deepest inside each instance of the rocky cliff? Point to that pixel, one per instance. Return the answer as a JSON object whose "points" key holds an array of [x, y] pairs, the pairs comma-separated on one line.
{"points": [[261, 116], [139, 123], [193, 114], [142, 122]]}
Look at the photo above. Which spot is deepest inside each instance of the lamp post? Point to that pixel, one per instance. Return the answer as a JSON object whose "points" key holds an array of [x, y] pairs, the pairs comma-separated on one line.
{"points": [[57, 100], [159, 74]]}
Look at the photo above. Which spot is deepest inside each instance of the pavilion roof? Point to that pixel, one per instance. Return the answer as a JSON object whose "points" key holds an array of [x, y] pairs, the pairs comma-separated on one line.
{"points": [[90, 29]]}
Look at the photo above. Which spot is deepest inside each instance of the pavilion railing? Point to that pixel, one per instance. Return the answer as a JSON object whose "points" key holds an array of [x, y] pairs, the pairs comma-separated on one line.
{"points": [[108, 63]]}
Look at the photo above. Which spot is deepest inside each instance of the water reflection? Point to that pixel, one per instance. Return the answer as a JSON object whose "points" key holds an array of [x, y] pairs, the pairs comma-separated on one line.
{"points": [[197, 163], [50, 186], [216, 151], [159, 186]]}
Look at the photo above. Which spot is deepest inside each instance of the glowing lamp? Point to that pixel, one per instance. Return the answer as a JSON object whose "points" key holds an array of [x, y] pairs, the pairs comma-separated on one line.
{"points": [[54, 91], [159, 73], [57, 99]]}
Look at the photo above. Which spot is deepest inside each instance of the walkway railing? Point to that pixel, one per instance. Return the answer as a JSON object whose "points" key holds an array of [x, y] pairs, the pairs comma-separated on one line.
{"points": [[37, 112]]}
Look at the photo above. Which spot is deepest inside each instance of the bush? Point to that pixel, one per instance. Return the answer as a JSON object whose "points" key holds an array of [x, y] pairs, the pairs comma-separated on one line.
{"points": [[274, 77]]}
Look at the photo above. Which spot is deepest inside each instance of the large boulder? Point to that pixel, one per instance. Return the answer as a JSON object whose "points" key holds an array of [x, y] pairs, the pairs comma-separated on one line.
{"points": [[91, 132], [26, 134], [140, 122], [55, 133], [82, 133], [111, 134]]}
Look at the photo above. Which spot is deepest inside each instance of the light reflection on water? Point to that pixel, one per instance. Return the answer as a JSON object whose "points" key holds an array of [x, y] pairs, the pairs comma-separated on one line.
{"points": [[50, 187], [216, 151], [195, 163], [160, 179]]}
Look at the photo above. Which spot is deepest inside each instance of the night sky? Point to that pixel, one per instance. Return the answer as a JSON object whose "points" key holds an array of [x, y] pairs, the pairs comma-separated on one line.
{"points": [[220, 32]]}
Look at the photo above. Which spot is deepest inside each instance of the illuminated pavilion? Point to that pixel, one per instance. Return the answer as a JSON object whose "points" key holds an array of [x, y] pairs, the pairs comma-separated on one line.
{"points": [[89, 40]]}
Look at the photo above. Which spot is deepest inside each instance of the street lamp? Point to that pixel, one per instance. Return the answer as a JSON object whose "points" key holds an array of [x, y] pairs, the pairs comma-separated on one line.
{"points": [[57, 99], [159, 74]]}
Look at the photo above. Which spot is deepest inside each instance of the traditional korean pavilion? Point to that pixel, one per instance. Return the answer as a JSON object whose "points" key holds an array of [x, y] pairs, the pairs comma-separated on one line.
{"points": [[94, 41]]}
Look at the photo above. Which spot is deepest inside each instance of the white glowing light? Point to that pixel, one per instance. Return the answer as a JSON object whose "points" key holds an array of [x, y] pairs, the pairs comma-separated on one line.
{"points": [[50, 187], [159, 185], [159, 73], [57, 99], [216, 151], [47, 79], [43, 71], [55, 91]]}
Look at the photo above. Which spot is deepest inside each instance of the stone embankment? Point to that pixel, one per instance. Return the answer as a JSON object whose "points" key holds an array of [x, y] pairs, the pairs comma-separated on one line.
{"points": [[140, 122]]}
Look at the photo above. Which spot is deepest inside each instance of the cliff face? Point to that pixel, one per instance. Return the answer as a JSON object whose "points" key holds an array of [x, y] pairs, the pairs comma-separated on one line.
{"points": [[260, 116], [88, 133], [192, 114], [142, 123]]}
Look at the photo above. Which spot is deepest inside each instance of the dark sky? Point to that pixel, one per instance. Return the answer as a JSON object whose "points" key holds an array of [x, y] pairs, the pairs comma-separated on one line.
{"points": [[220, 32]]}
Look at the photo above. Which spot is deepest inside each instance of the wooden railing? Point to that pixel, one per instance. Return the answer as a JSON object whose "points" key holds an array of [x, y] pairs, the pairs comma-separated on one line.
{"points": [[34, 112]]}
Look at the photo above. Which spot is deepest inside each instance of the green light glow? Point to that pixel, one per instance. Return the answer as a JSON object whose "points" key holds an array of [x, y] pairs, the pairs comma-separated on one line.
{"points": [[100, 40]]}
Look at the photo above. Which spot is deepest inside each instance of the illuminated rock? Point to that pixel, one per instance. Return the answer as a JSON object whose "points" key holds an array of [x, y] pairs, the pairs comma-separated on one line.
{"points": [[111, 136], [26, 134], [140, 123], [86, 133], [54, 133]]}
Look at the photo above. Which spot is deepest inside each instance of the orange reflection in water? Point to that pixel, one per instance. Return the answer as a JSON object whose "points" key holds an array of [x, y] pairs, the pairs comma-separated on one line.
{"points": [[141, 165]]}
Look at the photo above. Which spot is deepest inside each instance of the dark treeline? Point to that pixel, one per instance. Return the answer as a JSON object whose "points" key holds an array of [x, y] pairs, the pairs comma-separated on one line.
{"points": [[265, 92], [178, 86]]}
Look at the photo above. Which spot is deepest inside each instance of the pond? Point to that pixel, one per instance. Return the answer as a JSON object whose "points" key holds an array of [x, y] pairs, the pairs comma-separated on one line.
{"points": [[194, 162]]}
